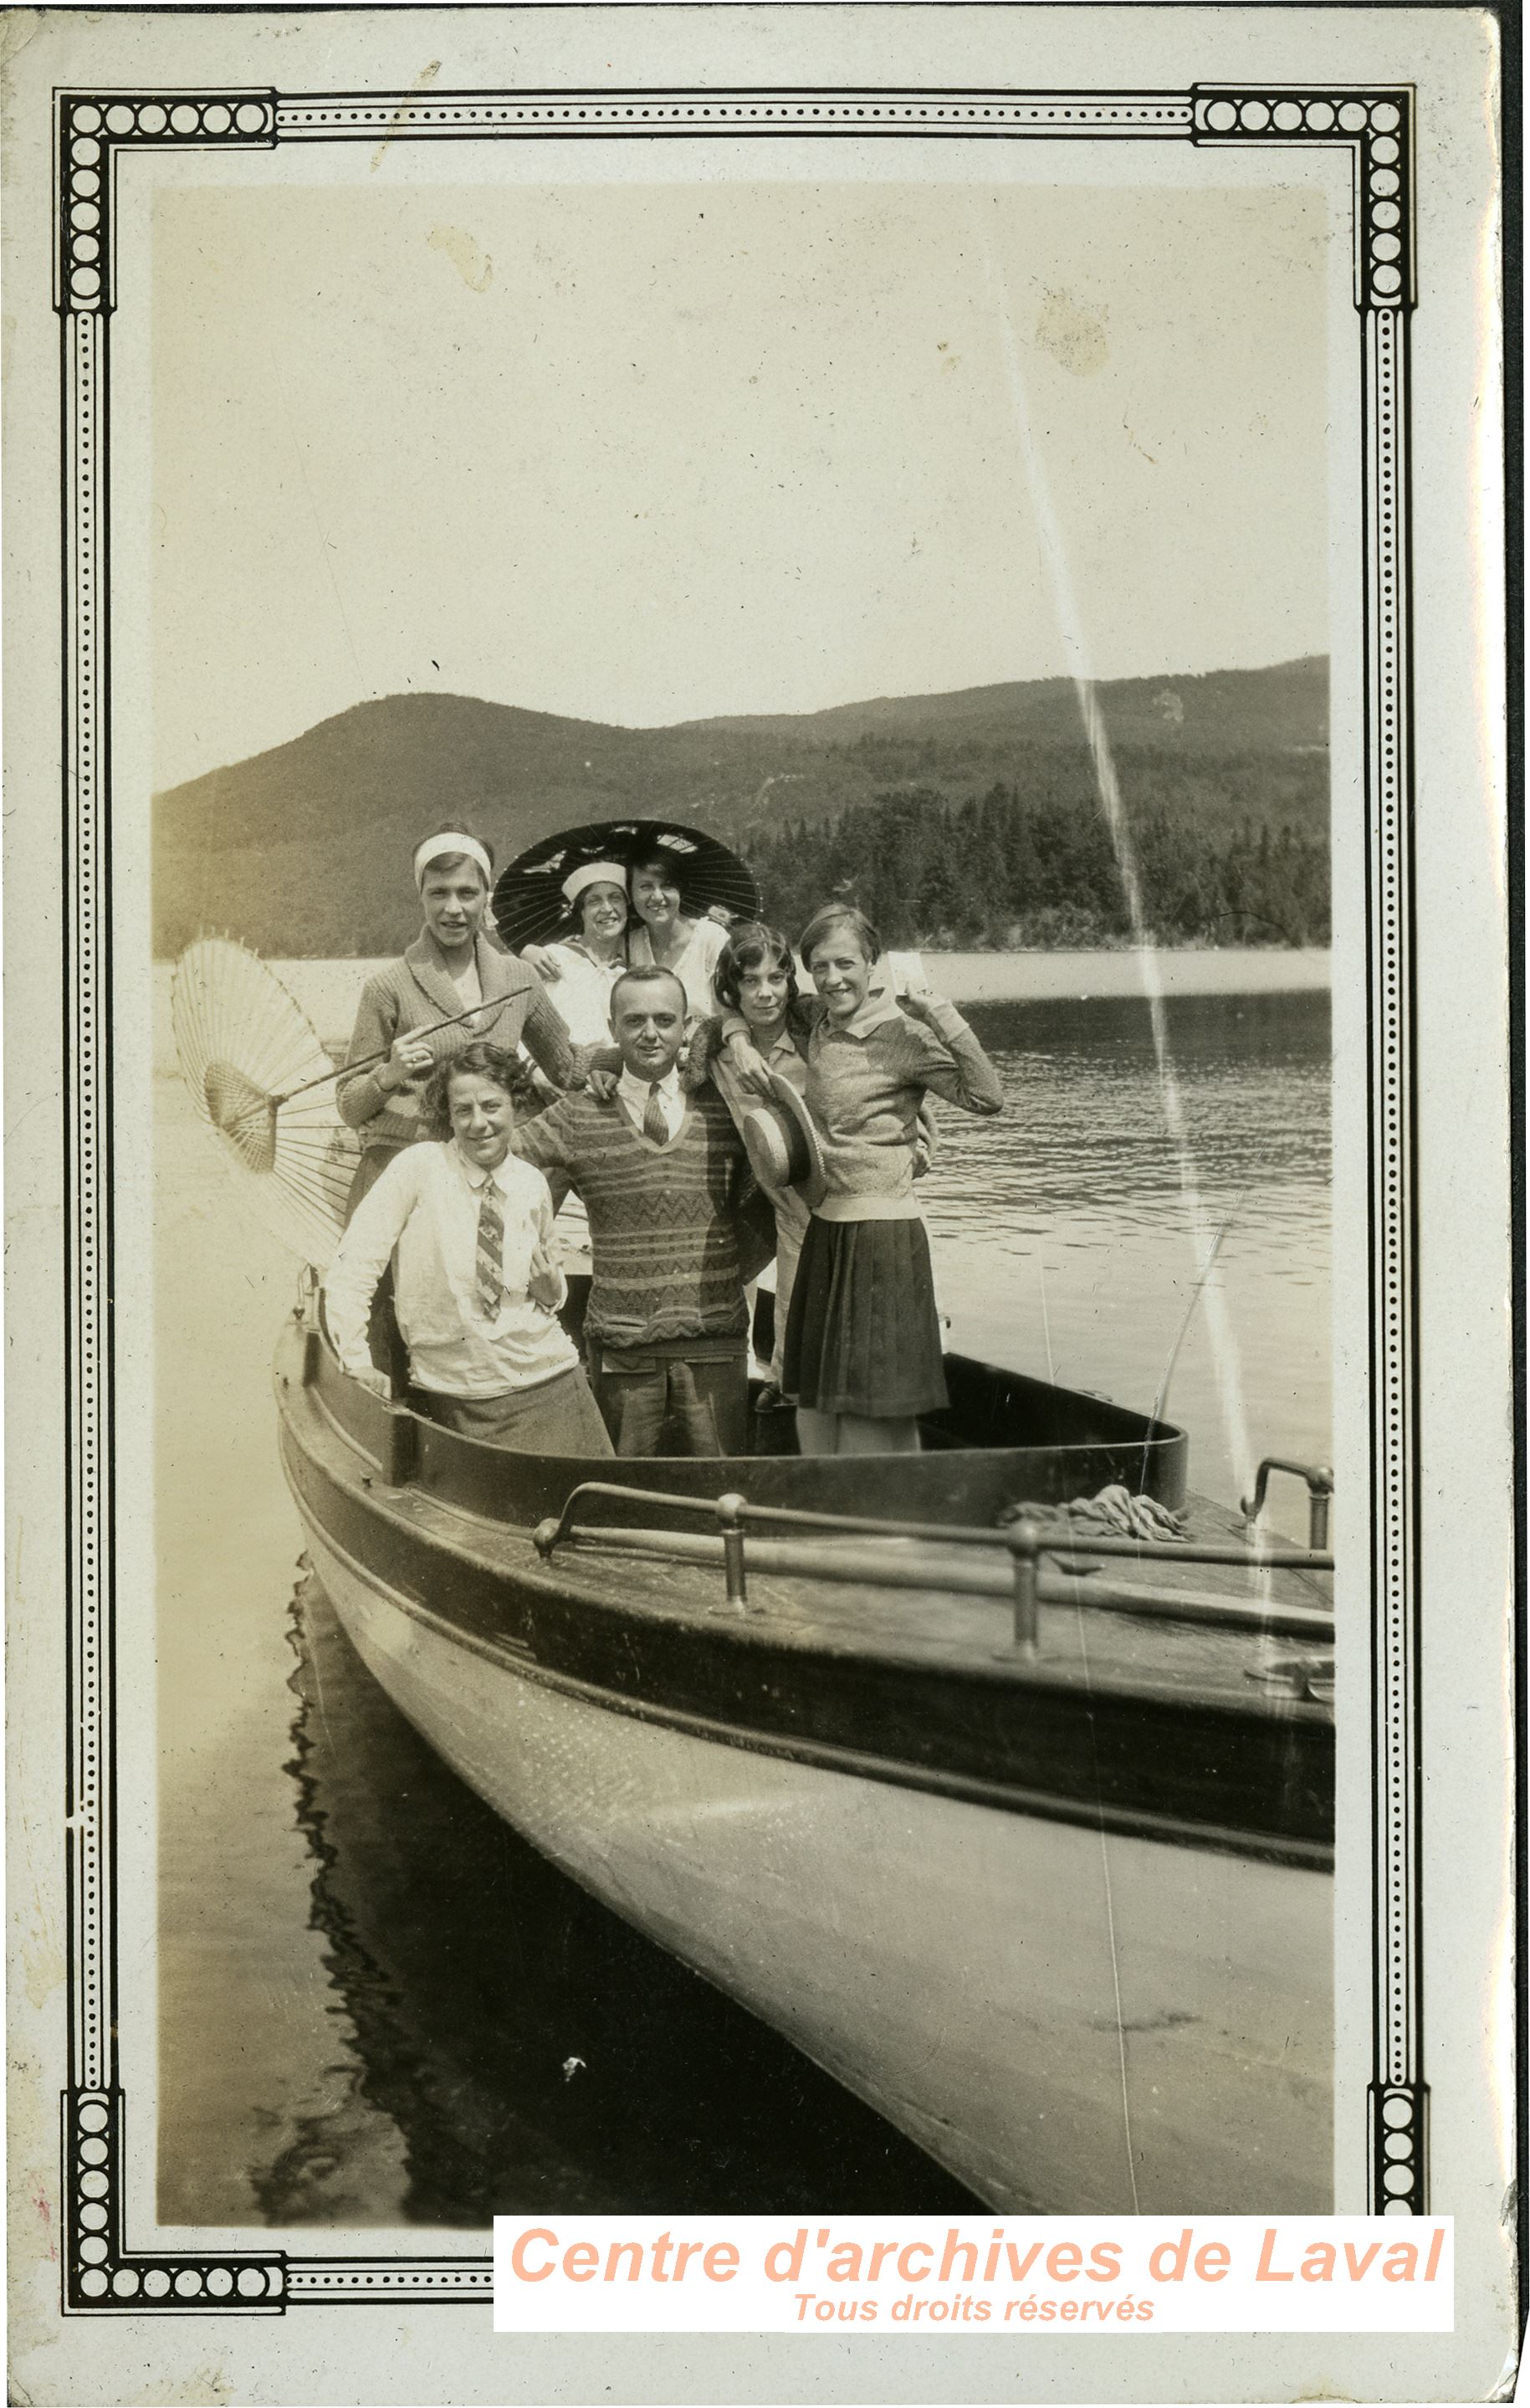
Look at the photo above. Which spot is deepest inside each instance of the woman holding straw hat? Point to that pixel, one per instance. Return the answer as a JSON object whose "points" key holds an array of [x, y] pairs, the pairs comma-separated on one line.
{"points": [[452, 973]]}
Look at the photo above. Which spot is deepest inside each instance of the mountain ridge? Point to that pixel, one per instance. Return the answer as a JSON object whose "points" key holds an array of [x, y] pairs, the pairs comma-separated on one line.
{"points": [[268, 847]]}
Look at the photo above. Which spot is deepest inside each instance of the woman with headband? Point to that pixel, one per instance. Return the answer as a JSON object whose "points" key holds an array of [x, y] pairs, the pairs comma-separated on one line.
{"points": [[450, 970]]}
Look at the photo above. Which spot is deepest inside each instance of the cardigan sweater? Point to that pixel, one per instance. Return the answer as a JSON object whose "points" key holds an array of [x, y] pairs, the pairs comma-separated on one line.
{"points": [[675, 1230], [416, 991]]}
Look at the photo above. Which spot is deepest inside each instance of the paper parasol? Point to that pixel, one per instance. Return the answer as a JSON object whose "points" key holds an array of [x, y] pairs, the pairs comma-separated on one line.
{"points": [[244, 1047], [529, 906]]}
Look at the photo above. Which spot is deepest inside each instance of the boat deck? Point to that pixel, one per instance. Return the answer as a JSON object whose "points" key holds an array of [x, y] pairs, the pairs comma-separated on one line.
{"points": [[918, 1616]]}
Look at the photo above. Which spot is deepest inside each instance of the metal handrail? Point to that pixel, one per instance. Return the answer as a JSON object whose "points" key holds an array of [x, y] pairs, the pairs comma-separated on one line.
{"points": [[1071, 1541], [1024, 1539], [1319, 1490]]}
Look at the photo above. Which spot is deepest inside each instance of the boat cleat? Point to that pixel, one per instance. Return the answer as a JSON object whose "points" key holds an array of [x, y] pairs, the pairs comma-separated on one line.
{"points": [[1297, 1676]]}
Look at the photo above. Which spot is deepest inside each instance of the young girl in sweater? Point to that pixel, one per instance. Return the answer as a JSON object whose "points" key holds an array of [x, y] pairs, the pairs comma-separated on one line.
{"points": [[862, 1338]]}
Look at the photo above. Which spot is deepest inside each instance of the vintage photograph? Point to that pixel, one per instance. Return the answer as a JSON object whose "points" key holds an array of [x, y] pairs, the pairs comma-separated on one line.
{"points": [[802, 1458], [761, 1426]]}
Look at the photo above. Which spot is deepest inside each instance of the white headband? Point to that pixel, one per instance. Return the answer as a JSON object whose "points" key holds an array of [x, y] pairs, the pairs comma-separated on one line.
{"points": [[593, 873], [435, 846]]}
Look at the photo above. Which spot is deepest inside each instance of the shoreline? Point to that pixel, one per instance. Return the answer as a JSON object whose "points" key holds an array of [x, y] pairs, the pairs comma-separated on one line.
{"points": [[328, 989], [1049, 977]]}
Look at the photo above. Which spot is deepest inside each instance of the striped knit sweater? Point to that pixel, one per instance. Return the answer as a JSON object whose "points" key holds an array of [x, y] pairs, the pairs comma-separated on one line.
{"points": [[416, 992], [675, 1230]]}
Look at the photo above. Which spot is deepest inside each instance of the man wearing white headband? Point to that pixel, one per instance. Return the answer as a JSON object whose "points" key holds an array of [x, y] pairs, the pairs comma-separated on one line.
{"points": [[452, 973]]}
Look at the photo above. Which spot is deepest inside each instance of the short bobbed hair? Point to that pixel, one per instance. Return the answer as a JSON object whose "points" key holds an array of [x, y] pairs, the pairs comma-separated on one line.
{"points": [[479, 1060], [676, 873], [839, 916], [752, 942]]}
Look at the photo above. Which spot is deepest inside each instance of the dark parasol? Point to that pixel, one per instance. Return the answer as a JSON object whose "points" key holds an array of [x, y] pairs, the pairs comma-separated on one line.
{"points": [[528, 901]]}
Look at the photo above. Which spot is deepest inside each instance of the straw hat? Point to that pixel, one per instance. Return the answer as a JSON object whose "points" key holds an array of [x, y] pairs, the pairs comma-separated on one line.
{"points": [[782, 1143]]}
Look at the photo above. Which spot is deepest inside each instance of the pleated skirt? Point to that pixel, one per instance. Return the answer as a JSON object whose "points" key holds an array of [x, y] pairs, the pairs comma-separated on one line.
{"points": [[863, 1335]]}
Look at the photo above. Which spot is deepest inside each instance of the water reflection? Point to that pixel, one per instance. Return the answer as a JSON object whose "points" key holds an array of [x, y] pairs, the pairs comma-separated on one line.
{"points": [[532, 2050]]}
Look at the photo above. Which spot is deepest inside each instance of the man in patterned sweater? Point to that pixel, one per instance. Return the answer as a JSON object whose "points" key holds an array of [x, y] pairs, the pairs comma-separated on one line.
{"points": [[677, 1225]]}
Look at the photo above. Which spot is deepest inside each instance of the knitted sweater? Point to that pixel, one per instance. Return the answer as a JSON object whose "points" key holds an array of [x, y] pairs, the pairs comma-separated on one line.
{"points": [[675, 1230], [866, 1081], [866, 1084], [417, 991]]}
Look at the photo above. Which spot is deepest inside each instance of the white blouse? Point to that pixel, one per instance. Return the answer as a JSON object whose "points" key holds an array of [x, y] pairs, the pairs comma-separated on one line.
{"points": [[694, 968], [426, 1205], [581, 992]]}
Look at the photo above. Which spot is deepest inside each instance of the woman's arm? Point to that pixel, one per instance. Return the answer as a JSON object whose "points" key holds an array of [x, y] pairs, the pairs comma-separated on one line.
{"points": [[702, 1054], [951, 1062], [547, 1040], [361, 1097], [361, 1258], [541, 1142]]}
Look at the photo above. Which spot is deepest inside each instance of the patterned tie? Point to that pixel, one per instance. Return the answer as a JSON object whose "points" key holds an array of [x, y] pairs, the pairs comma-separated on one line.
{"points": [[491, 1260], [655, 1127]]}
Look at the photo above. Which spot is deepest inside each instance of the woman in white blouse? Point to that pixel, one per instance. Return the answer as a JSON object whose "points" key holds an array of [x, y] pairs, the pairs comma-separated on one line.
{"points": [[582, 968], [477, 1279]]}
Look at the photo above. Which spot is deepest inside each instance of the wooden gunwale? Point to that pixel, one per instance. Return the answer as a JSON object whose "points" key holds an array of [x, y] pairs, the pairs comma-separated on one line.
{"points": [[842, 1682]]}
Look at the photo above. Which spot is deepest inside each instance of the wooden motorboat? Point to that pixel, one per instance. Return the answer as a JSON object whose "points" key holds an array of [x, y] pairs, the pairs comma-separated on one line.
{"points": [[1024, 1835]]}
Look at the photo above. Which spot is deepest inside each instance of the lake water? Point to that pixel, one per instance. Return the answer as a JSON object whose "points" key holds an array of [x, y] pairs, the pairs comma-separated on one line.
{"points": [[377, 2005]]}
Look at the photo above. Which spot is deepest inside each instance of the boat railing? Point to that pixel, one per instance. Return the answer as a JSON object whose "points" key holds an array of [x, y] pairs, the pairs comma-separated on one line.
{"points": [[1027, 1540], [1319, 1490]]}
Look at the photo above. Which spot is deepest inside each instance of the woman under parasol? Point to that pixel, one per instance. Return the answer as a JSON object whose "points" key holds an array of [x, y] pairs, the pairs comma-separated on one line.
{"points": [[582, 965], [684, 885]]}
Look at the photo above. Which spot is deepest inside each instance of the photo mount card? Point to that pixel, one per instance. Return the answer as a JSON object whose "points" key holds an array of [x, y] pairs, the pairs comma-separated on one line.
{"points": [[373, 361]]}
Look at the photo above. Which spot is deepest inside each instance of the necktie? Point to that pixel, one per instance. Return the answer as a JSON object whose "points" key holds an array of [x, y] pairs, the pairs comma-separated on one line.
{"points": [[491, 1256], [655, 1127]]}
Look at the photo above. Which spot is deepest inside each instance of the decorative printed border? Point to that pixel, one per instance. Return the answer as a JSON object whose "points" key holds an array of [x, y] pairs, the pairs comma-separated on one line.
{"points": [[95, 130]]}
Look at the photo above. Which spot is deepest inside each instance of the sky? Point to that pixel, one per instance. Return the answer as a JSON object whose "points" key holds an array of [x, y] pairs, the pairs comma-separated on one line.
{"points": [[647, 452]]}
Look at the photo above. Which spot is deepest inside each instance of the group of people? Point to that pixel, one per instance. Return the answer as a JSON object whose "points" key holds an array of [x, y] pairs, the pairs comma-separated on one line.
{"points": [[669, 1073]]}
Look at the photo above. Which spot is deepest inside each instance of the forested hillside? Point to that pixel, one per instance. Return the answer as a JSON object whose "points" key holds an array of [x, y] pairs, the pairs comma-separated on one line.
{"points": [[987, 796], [1024, 866]]}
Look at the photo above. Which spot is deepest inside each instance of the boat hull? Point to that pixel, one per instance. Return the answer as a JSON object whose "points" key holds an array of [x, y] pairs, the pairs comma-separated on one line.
{"points": [[1071, 2019]]}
